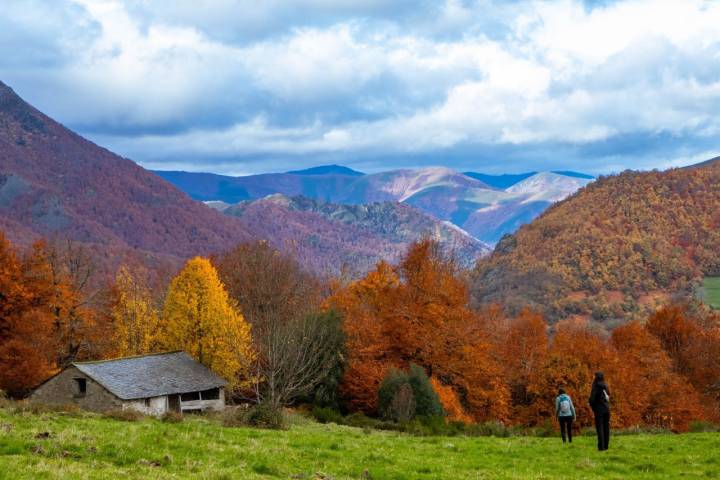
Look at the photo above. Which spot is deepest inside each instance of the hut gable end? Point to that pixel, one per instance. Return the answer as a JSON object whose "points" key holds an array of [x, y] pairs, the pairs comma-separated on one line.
{"points": [[66, 387]]}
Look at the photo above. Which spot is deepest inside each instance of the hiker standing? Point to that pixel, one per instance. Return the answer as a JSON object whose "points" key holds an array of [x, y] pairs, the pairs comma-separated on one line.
{"points": [[600, 404], [565, 411]]}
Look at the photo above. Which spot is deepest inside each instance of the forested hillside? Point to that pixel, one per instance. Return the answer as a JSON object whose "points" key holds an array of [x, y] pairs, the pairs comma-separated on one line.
{"points": [[332, 238], [614, 250], [55, 183]]}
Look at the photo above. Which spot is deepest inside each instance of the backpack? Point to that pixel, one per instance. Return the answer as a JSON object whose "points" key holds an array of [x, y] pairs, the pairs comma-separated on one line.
{"points": [[565, 410]]}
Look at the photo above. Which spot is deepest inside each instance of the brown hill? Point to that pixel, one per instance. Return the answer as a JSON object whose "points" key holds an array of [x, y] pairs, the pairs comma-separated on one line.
{"points": [[54, 182], [612, 251], [332, 238]]}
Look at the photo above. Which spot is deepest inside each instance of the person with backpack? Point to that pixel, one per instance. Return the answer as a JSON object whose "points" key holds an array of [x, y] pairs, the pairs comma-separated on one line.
{"points": [[600, 404], [565, 411]]}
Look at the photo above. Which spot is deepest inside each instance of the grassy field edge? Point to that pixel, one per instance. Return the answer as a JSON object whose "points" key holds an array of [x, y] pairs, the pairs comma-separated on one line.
{"points": [[81, 445]]}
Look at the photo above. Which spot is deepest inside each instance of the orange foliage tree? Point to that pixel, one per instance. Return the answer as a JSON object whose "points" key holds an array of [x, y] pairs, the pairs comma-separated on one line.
{"points": [[651, 392], [523, 350], [25, 321], [366, 306], [691, 339], [576, 351], [46, 320], [417, 312]]}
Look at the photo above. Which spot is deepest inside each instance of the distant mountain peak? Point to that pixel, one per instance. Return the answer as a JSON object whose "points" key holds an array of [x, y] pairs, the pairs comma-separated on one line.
{"points": [[327, 170]]}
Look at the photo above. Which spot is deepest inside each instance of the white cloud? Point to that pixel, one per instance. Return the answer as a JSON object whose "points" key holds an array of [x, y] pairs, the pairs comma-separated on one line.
{"points": [[156, 83]]}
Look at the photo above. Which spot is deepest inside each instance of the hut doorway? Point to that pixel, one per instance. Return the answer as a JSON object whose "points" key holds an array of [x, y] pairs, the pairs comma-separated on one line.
{"points": [[174, 403]]}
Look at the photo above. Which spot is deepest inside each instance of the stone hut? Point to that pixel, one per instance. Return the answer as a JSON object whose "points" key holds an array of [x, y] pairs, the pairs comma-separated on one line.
{"points": [[151, 384]]}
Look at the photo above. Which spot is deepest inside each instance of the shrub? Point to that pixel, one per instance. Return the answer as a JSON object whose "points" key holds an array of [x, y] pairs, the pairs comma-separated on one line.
{"points": [[261, 415], [264, 415], [360, 420], [701, 427], [403, 396], [426, 398], [327, 415], [389, 386], [128, 415]]}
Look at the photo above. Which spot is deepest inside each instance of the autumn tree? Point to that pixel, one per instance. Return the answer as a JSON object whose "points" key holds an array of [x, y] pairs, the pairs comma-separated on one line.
{"points": [[649, 391], [200, 318], [523, 350], [26, 321], [417, 312], [48, 315], [450, 401], [79, 332], [134, 314], [366, 305], [691, 339], [577, 350], [299, 348]]}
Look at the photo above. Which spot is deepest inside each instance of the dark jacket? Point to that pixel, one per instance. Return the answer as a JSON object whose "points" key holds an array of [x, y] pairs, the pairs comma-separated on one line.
{"points": [[597, 398]]}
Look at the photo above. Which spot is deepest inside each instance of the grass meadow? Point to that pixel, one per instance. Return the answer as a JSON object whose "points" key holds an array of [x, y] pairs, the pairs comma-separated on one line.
{"points": [[89, 446], [711, 291]]}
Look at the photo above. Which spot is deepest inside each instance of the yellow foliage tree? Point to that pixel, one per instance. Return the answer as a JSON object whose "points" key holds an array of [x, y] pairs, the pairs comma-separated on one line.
{"points": [[200, 318], [134, 315]]}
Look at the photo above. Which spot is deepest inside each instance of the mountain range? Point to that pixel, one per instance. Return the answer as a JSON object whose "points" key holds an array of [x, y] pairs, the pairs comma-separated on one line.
{"points": [[485, 206], [611, 249], [54, 183]]}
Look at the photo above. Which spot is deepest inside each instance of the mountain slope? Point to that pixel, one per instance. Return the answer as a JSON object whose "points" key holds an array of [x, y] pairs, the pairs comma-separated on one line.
{"points": [[331, 236], [52, 181], [612, 250]]}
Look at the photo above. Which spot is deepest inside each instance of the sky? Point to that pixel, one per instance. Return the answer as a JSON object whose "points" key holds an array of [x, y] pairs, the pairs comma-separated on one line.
{"points": [[246, 86]]}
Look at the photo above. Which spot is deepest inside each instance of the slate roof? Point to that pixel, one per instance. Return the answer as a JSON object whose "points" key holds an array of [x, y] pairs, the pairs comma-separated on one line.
{"points": [[151, 375]]}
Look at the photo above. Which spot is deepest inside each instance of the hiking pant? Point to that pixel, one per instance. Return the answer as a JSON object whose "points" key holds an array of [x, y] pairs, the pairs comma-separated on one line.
{"points": [[566, 426], [602, 425]]}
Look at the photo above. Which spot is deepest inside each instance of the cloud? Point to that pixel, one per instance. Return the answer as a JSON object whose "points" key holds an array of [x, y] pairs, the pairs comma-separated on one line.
{"points": [[239, 86]]}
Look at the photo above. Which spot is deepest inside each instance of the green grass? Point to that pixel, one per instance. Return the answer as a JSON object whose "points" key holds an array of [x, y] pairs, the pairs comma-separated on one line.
{"points": [[86, 446], [711, 291]]}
